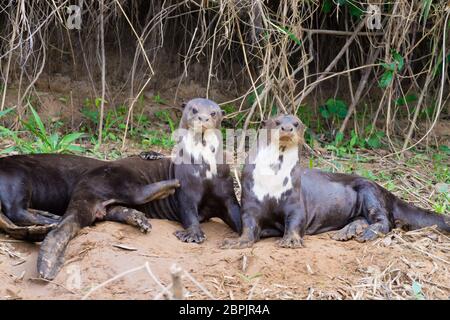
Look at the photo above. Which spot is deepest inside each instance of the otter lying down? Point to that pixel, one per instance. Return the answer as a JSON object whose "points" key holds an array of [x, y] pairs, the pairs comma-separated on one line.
{"points": [[279, 197]]}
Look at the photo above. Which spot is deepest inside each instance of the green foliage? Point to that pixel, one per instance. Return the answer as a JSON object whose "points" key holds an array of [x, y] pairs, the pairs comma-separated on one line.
{"points": [[442, 203], [444, 149], [334, 108], [399, 60], [164, 115], [160, 138], [327, 6], [5, 112], [441, 169], [374, 141], [386, 79], [158, 99], [438, 67], [426, 6], [252, 96], [354, 9], [42, 141], [405, 100], [368, 174], [113, 122], [157, 138], [236, 122], [391, 68], [341, 147]]}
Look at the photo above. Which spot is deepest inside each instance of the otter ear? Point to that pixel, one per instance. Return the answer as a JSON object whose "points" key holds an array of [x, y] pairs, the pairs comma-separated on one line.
{"points": [[183, 105], [223, 113], [266, 123]]}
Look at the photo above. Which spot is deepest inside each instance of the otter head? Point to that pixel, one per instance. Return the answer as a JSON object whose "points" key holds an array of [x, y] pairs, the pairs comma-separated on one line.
{"points": [[201, 114], [290, 129]]}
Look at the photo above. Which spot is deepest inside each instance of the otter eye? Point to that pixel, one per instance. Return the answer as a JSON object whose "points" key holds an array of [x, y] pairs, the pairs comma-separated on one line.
{"points": [[194, 111], [277, 123], [213, 114], [296, 124]]}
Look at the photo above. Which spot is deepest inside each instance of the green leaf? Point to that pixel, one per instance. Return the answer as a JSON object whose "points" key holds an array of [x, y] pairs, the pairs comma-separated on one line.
{"points": [[287, 32], [374, 142], [380, 134], [98, 102], [339, 138], [71, 137], [5, 112], [53, 140], [354, 139], [388, 66], [386, 79], [8, 150], [398, 59], [38, 121], [445, 149], [337, 107], [403, 101], [341, 2], [274, 110], [355, 10], [75, 149], [438, 67], [426, 5], [324, 112], [327, 6]]}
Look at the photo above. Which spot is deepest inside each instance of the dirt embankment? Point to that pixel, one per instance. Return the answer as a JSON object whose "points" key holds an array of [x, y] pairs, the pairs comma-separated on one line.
{"points": [[411, 265]]}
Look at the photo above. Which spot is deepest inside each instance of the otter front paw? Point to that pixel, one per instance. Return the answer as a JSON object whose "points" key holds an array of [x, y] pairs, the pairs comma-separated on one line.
{"points": [[350, 231], [368, 235], [191, 235], [292, 241], [141, 222], [31, 233], [237, 243]]}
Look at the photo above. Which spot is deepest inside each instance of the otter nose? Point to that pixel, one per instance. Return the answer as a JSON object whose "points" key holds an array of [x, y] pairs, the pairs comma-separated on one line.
{"points": [[287, 128], [206, 119]]}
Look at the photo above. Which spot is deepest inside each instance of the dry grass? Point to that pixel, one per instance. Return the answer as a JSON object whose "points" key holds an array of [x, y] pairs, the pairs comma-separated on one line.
{"points": [[284, 50]]}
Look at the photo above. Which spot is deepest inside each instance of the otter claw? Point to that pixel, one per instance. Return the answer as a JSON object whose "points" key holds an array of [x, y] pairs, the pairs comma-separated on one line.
{"points": [[291, 242], [190, 236], [141, 221], [350, 231], [368, 235]]}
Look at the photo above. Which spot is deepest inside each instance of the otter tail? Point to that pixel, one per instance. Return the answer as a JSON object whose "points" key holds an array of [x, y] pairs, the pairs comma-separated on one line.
{"points": [[415, 218]]}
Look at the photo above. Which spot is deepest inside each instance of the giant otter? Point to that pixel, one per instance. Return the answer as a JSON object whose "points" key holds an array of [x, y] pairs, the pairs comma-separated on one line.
{"points": [[35, 190], [280, 198], [85, 190]]}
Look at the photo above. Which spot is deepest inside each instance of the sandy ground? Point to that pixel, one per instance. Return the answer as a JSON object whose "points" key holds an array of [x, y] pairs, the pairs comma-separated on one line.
{"points": [[411, 265]]}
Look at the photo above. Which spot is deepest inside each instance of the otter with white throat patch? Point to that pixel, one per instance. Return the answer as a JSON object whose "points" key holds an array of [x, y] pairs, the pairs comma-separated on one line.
{"points": [[280, 198]]}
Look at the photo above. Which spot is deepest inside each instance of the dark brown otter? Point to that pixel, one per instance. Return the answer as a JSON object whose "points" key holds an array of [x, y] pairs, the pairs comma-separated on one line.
{"points": [[32, 186], [84, 190], [280, 198]]}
